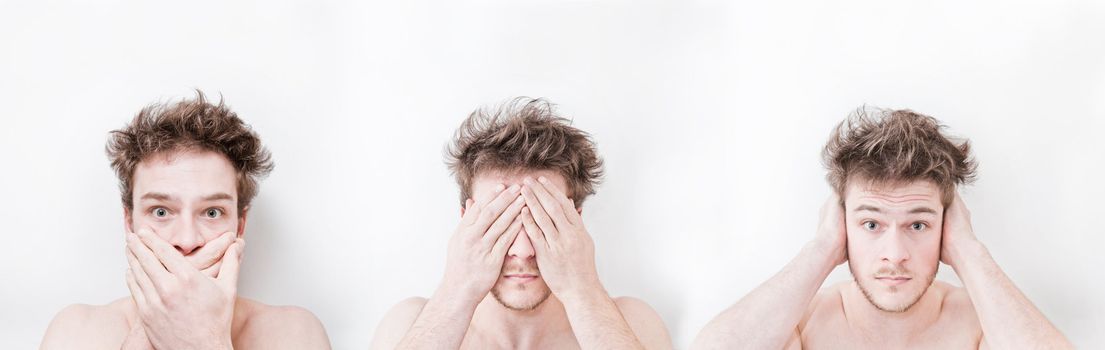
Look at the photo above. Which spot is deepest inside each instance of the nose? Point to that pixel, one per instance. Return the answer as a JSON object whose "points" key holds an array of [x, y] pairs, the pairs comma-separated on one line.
{"points": [[186, 237], [521, 247], [895, 249]]}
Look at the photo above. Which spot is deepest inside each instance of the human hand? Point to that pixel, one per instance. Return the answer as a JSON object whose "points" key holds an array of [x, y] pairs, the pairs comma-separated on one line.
{"points": [[957, 232], [480, 242], [180, 307], [208, 259], [832, 234], [564, 250]]}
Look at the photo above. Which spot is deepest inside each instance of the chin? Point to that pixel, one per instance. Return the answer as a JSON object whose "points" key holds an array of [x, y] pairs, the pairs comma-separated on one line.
{"points": [[894, 303], [519, 298], [894, 299]]}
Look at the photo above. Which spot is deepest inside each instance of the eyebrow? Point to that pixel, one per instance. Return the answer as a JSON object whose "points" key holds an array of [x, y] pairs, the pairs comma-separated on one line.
{"points": [[219, 196], [867, 208], [166, 197], [157, 196], [917, 210], [925, 210]]}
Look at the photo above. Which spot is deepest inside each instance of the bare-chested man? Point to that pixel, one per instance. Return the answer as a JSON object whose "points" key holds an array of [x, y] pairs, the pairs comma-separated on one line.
{"points": [[520, 271], [894, 216], [187, 173]]}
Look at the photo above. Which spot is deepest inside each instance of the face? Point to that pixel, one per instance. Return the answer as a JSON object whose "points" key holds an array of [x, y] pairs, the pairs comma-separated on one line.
{"points": [[520, 286], [894, 236], [187, 197]]}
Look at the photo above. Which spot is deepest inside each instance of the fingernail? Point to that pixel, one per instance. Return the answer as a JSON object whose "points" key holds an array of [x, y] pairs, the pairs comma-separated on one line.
{"points": [[499, 187], [527, 180], [515, 188], [543, 179]]}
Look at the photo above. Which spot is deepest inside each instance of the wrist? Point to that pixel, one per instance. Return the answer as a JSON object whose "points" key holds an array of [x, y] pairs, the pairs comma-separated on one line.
{"points": [[459, 293], [825, 254], [582, 293], [967, 252]]}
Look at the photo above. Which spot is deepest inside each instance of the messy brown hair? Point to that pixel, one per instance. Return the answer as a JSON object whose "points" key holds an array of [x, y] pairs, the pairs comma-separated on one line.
{"points": [[193, 124], [896, 146], [524, 134]]}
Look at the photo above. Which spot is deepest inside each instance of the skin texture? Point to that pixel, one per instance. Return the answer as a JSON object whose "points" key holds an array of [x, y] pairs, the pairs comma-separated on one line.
{"points": [[538, 288], [893, 237], [184, 244]]}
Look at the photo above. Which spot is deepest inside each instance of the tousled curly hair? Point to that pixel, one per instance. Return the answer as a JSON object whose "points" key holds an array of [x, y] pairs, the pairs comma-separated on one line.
{"points": [[194, 124], [524, 134]]}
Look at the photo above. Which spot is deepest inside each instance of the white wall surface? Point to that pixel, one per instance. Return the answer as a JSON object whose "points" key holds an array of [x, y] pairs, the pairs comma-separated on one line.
{"points": [[710, 115]]}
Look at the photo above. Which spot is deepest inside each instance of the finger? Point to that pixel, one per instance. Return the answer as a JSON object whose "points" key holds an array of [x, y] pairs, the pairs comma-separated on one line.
{"points": [[135, 290], [213, 270], [147, 268], [169, 256], [477, 206], [490, 212], [471, 211], [231, 264], [540, 216], [566, 203], [210, 253], [504, 241], [504, 221], [540, 244], [551, 205], [146, 286]]}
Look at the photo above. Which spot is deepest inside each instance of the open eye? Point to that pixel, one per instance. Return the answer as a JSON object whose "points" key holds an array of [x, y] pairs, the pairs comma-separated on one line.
{"points": [[918, 226], [213, 213], [870, 225], [159, 212]]}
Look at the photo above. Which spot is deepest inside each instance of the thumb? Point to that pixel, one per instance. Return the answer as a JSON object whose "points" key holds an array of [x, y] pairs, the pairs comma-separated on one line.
{"points": [[231, 264]]}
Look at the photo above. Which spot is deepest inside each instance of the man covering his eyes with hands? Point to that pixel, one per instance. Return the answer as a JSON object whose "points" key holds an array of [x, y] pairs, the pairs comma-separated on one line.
{"points": [[520, 270]]}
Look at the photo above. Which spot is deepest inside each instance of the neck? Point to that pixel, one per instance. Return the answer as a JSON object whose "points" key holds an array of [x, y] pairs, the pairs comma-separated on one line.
{"points": [[887, 326], [494, 323]]}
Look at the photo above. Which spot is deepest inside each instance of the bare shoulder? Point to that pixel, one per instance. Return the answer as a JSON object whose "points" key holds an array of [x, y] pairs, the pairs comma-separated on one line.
{"points": [[823, 315], [88, 327], [396, 323], [264, 326], [955, 297], [957, 306], [645, 322], [827, 303]]}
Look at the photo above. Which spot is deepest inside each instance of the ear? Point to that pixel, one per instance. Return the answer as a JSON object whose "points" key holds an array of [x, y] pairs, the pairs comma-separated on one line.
{"points": [[242, 222], [579, 210], [128, 220]]}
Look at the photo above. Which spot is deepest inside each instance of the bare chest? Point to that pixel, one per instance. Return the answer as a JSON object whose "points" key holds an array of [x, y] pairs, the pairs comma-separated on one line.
{"points": [[476, 340], [838, 334]]}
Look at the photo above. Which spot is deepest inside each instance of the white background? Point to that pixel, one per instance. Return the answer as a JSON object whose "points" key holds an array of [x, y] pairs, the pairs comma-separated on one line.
{"points": [[710, 116]]}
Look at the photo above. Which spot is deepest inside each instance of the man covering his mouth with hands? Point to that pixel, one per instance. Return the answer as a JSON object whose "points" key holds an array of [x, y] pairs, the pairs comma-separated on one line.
{"points": [[520, 270], [187, 174]]}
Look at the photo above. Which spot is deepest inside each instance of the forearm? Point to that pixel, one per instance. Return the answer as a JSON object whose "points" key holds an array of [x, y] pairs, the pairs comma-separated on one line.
{"points": [[442, 322], [596, 321], [1008, 318], [767, 317]]}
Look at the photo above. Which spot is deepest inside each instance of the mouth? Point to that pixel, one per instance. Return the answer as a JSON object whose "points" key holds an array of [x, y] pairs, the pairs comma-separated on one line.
{"points": [[521, 277], [893, 280]]}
